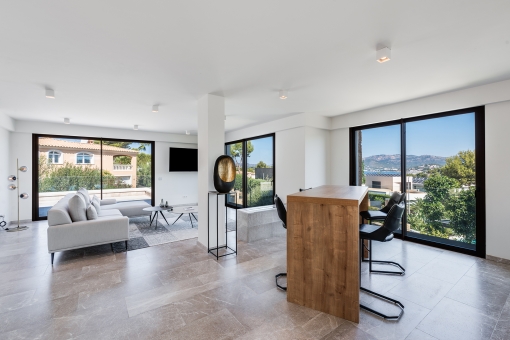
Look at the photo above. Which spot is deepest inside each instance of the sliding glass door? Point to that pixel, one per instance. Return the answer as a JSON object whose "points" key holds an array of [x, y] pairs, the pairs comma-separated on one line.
{"points": [[440, 161], [255, 171], [378, 162], [120, 169], [442, 170], [127, 174]]}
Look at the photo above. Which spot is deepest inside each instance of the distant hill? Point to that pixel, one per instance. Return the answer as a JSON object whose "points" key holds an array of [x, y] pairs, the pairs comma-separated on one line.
{"points": [[393, 161]]}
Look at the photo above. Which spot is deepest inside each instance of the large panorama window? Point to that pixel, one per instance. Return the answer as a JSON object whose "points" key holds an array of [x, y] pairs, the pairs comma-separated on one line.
{"points": [[107, 168], [255, 171], [440, 158]]}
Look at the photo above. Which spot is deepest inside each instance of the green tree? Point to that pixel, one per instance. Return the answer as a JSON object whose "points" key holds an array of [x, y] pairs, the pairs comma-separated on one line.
{"points": [[121, 160], [261, 164], [70, 177], [143, 170], [427, 214], [460, 167], [236, 151], [462, 213]]}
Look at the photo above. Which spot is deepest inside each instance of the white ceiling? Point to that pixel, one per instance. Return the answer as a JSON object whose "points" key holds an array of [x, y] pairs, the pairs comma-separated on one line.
{"points": [[110, 61]]}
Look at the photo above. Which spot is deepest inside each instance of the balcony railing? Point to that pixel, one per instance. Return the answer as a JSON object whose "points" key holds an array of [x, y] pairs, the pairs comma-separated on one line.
{"points": [[122, 167]]}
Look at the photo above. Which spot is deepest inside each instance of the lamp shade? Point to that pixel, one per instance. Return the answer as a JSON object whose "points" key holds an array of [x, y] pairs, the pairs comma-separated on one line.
{"points": [[224, 174]]}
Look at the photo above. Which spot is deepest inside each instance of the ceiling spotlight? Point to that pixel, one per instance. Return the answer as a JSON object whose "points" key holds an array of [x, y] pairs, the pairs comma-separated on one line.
{"points": [[24, 196], [187, 132], [12, 178], [383, 55], [135, 127], [283, 94], [155, 108], [23, 168], [67, 121], [50, 93]]}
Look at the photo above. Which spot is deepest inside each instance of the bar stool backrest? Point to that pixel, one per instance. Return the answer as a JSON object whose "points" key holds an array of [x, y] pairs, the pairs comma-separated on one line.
{"points": [[395, 198], [392, 222], [280, 208]]}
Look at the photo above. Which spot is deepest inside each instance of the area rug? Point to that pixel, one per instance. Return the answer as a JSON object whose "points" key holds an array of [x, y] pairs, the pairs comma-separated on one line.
{"points": [[142, 234]]}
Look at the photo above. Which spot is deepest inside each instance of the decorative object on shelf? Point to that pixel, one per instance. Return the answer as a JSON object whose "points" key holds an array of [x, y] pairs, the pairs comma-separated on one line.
{"points": [[166, 204], [162, 204], [224, 174], [22, 195]]}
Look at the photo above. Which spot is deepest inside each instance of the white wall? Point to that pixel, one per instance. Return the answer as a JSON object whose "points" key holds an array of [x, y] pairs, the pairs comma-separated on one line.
{"points": [[290, 161], [317, 160], [172, 186], [4, 173], [21, 148], [497, 139], [339, 157], [6, 125]]}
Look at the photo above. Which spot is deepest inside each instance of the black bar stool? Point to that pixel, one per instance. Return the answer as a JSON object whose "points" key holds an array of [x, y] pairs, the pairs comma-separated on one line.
{"points": [[383, 233], [380, 215], [282, 214]]}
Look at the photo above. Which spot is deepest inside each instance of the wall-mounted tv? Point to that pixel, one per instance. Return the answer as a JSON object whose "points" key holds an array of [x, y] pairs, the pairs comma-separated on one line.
{"points": [[182, 159]]}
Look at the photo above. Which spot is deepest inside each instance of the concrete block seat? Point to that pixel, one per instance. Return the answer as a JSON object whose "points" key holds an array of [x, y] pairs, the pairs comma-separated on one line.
{"points": [[258, 223], [110, 225]]}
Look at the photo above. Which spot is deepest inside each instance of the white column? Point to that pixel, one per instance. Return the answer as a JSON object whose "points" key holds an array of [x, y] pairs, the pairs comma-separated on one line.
{"points": [[211, 145]]}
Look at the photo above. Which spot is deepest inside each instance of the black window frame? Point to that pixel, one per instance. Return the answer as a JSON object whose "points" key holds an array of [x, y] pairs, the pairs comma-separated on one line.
{"points": [[245, 168], [479, 112], [35, 162]]}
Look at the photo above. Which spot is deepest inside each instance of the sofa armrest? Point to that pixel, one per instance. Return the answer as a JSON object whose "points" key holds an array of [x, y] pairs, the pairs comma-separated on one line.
{"points": [[87, 233], [108, 201]]}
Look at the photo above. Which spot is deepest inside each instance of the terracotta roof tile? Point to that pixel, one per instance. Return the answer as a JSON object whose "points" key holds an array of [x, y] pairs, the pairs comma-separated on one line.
{"points": [[58, 143]]}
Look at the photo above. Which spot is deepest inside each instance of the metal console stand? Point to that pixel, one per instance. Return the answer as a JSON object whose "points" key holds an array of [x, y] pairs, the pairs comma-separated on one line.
{"points": [[217, 249]]}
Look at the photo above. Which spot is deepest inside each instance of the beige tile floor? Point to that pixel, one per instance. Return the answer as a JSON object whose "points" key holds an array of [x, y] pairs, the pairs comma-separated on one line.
{"points": [[178, 291]]}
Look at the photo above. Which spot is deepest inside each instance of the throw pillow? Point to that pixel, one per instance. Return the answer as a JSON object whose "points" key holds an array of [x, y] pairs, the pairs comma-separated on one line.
{"points": [[85, 195], [91, 213], [96, 203], [77, 208]]}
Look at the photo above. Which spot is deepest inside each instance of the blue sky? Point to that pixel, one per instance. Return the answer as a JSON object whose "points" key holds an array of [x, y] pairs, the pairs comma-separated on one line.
{"points": [[262, 151], [439, 137]]}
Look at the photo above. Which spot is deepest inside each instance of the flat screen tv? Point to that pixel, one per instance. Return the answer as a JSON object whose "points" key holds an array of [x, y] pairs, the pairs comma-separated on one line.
{"points": [[182, 159]]}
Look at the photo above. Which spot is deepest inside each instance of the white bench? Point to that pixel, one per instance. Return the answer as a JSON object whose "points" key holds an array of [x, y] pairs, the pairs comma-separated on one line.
{"points": [[258, 223]]}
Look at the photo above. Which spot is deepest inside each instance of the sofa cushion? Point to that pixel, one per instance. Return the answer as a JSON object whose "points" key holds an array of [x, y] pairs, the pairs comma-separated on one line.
{"points": [[91, 212], [134, 208], [96, 203], [59, 214], [109, 213], [85, 194], [77, 208]]}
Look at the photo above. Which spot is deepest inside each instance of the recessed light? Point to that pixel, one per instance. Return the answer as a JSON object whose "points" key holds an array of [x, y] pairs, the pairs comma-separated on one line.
{"points": [[155, 108], [187, 132], [50, 93], [135, 127], [283, 94], [67, 121], [383, 55]]}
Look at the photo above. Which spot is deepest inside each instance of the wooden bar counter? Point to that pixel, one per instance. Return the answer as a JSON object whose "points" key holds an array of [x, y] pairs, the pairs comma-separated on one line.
{"points": [[323, 249]]}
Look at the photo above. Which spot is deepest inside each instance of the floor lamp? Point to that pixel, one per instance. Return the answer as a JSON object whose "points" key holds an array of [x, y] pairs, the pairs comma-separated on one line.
{"points": [[23, 195]]}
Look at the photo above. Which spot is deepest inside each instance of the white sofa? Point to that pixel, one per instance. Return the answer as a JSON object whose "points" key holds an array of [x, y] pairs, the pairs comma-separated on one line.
{"points": [[111, 225]]}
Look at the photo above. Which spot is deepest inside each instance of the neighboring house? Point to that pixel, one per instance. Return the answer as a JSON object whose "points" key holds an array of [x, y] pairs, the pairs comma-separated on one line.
{"points": [[86, 153], [386, 180]]}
